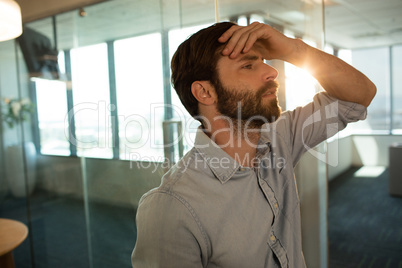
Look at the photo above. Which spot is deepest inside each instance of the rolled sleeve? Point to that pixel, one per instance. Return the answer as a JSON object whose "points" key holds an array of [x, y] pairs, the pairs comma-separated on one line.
{"points": [[319, 120]]}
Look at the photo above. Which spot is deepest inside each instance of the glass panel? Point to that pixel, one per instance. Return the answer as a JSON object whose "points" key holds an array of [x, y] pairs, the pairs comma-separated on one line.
{"points": [[13, 202], [302, 19], [92, 199], [176, 37], [131, 81], [397, 89]]}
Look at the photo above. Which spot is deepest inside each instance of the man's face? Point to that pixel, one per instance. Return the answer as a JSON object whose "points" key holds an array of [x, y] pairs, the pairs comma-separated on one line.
{"points": [[247, 89]]}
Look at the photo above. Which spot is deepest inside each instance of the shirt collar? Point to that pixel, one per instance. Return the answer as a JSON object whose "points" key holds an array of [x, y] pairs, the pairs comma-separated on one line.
{"points": [[221, 164]]}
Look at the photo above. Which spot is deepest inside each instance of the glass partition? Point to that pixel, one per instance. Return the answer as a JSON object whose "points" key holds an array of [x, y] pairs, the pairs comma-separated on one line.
{"points": [[17, 151], [301, 19], [93, 141], [396, 60]]}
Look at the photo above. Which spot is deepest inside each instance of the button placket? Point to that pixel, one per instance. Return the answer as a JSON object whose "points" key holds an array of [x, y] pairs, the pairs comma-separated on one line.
{"points": [[269, 194], [268, 191], [272, 238]]}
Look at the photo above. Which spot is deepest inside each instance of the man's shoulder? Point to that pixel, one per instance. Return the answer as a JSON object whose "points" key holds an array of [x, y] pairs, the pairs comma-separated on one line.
{"points": [[183, 177]]}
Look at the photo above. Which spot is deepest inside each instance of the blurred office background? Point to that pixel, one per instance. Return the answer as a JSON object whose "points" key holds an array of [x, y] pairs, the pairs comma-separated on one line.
{"points": [[90, 122]]}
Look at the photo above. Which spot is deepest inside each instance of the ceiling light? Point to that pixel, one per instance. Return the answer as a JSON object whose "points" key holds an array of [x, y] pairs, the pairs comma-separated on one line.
{"points": [[10, 20]]}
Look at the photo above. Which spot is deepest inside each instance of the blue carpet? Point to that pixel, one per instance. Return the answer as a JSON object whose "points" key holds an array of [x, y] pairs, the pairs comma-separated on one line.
{"points": [[365, 228], [365, 222], [59, 233]]}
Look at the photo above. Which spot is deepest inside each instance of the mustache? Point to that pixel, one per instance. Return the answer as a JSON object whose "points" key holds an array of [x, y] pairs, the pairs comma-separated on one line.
{"points": [[268, 87]]}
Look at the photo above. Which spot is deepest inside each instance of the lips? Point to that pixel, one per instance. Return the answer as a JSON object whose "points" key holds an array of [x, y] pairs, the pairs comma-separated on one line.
{"points": [[270, 93], [269, 90]]}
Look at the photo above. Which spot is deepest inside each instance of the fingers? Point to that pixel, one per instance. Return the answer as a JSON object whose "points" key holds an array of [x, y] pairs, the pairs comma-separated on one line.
{"points": [[240, 39], [226, 35], [253, 37]]}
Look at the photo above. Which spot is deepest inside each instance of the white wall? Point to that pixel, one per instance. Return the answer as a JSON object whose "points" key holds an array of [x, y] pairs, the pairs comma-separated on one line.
{"points": [[372, 150], [339, 156], [359, 150]]}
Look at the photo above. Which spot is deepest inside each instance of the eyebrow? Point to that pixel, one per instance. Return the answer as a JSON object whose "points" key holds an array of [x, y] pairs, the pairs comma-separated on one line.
{"points": [[249, 58]]}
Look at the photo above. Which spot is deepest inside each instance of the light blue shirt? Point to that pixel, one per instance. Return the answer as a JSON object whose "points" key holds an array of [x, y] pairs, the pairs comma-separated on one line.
{"points": [[210, 211]]}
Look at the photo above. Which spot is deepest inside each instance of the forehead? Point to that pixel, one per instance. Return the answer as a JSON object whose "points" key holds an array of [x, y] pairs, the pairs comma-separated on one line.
{"points": [[253, 55]]}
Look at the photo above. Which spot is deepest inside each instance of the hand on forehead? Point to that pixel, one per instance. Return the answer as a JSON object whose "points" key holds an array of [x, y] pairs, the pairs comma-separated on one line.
{"points": [[241, 39]]}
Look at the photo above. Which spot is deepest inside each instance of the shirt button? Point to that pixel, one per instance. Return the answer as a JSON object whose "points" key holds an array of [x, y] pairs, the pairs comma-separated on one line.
{"points": [[272, 238], [276, 205]]}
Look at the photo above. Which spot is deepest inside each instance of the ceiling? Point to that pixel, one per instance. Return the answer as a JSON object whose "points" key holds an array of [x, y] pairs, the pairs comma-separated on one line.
{"points": [[363, 23], [348, 23]]}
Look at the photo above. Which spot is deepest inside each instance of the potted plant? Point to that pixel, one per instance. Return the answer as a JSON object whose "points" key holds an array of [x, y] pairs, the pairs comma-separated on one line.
{"points": [[17, 111]]}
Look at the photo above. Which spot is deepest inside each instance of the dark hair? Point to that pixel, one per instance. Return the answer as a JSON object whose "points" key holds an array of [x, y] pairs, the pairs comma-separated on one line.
{"points": [[195, 60]]}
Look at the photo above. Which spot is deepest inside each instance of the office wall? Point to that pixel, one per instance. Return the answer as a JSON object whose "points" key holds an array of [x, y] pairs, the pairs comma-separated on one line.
{"points": [[359, 150], [104, 180], [339, 156], [372, 150]]}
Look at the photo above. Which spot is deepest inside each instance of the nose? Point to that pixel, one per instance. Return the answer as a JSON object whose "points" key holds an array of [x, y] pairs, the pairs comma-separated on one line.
{"points": [[270, 73]]}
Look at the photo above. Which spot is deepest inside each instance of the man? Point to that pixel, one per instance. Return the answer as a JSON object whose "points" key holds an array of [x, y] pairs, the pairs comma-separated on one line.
{"points": [[232, 200]]}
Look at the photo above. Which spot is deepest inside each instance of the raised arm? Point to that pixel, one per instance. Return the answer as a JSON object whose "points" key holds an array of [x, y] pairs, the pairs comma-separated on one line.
{"points": [[337, 77]]}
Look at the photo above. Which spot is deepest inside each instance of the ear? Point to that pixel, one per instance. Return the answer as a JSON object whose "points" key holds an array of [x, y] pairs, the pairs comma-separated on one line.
{"points": [[204, 92]]}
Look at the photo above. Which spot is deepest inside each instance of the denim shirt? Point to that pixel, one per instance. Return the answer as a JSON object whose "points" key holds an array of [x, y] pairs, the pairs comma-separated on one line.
{"points": [[210, 211]]}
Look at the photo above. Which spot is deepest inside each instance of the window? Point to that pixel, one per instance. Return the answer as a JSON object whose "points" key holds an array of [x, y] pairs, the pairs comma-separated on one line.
{"points": [[90, 83], [190, 125], [140, 105], [139, 89], [374, 63], [300, 85], [51, 101]]}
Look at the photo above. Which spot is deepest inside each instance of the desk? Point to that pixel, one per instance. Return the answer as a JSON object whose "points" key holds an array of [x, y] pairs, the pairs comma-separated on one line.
{"points": [[395, 169], [12, 234]]}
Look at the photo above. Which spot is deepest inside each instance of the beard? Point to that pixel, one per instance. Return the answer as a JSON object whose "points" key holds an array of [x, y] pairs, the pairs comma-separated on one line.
{"points": [[248, 106]]}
